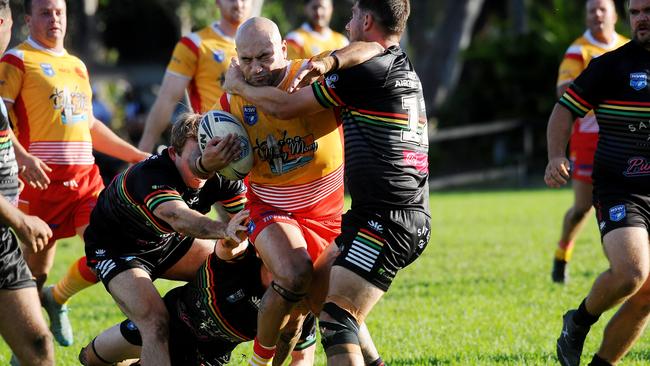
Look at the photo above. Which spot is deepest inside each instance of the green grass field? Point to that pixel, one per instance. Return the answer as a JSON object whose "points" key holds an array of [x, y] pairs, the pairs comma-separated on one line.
{"points": [[480, 295]]}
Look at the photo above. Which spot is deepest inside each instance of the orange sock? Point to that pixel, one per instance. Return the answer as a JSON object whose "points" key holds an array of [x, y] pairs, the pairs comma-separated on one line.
{"points": [[564, 250], [79, 277], [262, 355]]}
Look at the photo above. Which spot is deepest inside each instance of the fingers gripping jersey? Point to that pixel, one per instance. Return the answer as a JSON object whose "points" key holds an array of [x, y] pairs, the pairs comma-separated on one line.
{"points": [[203, 58], [385, 124], [615, 86], [52, 98], [305, 42], [298, 163], [576, 59]]}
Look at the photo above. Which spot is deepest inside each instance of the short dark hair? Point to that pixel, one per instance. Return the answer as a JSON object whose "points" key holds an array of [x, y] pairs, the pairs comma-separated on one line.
{"points": [[4, 6], [185, 128], [390, 14], [27, 5]]}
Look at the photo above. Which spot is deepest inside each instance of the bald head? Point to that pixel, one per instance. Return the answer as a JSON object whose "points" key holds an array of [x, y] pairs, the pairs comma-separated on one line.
{"points": [[258, 29], [261, 51]]}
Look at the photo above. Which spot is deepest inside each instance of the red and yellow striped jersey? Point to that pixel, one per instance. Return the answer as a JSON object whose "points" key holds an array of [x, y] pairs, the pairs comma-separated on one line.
{"points": [[298, 162], [305, 42], [203, 58], [581, 52], [52, 104]]}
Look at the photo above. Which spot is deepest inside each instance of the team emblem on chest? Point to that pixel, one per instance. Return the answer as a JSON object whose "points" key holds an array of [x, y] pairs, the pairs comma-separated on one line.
{"points": [[638, 80], [218, 55]]}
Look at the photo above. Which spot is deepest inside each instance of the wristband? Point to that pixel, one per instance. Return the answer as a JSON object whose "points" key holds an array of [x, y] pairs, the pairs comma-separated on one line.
{"points": [[199, 166], [336, 64]]}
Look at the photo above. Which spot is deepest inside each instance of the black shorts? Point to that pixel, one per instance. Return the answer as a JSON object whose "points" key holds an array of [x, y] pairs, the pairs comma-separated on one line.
{"points": [[375, 245], [185, 348], [617, 208], [155, 262], [14, 273]]}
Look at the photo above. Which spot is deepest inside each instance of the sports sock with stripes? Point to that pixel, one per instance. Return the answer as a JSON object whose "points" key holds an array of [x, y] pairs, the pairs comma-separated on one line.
{"points": [[78, 277]]}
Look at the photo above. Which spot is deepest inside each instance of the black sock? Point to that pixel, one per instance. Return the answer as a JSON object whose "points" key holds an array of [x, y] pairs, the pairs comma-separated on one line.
{"points": [[377, 362], [597, 361], [582, 316]]}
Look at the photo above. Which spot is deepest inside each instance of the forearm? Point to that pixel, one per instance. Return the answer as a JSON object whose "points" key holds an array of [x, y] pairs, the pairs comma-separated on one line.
{"points": [[558, 131], [19, 149], [269, 99], [192, 223], [356, 53], [107, 142], [9, 214], [156, 123]]}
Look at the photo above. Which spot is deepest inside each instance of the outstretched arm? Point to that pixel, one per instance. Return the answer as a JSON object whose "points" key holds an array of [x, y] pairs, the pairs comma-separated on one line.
{"points": [[189, 222], [171, 91], [107, 142]]}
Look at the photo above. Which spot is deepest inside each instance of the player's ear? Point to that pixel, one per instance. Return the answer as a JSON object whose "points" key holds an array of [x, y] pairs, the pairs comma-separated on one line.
{"points": [[284, 49], [368, 21], [172, 153]]}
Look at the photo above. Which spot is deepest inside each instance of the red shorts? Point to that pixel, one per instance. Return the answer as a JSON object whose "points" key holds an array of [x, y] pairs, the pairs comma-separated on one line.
{"points": [[318, 232], [64, 205], [581, 153]]}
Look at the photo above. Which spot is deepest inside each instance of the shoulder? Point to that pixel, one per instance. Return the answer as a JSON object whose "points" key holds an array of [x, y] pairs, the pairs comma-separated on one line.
{"points": [[15, 57], [191, 41], [296, 37]]}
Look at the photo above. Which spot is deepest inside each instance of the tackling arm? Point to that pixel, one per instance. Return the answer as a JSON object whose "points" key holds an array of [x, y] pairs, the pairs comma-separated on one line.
{"points": [[171, 91], [189, 222]]}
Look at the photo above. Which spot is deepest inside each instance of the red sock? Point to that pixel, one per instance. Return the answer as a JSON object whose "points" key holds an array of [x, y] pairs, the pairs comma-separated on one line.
{"points": [[262, 355]]}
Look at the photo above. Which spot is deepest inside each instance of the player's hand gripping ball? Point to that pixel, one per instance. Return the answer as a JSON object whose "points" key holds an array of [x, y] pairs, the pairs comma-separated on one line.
{"points": [[220, 123]]}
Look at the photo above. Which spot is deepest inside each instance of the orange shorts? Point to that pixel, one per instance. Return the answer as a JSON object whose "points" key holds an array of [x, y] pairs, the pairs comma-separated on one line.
{"points": [[64, 205], [318, 232], [581, 153]]}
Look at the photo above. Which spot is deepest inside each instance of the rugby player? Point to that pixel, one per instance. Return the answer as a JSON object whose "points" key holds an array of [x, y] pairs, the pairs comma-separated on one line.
{"points": [[615, 86], [315, 35], [149, 222]]}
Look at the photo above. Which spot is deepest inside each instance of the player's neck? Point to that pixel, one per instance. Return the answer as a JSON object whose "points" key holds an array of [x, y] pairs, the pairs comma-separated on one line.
{"points": [[604, 37], [57, 47], [318, 29], [228, 28]]}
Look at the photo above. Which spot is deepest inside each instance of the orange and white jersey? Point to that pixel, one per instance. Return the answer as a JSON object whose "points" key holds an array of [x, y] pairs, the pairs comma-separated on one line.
{"points": [[203, 57], [305, 42], [52, 103], [298, 163], [576, 59]]}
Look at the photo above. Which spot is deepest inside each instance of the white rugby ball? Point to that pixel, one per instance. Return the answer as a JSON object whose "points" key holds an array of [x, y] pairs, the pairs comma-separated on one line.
{"points": [[220, 123]]}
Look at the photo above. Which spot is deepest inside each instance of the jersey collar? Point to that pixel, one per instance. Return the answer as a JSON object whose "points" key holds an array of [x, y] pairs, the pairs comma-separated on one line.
{"points": [[216, 29], [30, 41], [327, 32], [591, 39]]}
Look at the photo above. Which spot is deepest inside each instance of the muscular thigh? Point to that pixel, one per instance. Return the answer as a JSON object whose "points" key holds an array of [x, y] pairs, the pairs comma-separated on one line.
{"points": [[135, 293], [185, 268], [282, 248]]}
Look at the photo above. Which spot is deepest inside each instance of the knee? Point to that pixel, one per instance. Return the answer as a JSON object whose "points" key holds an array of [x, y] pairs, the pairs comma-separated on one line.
{"points": [[631, 279], [296, 277], [339, 330], [41, 347]]}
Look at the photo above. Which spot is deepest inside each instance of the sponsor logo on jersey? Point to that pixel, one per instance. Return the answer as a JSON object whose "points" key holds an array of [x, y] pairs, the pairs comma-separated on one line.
{"points": [[236, 296], [81, 73], [48, 70], [330, 80], [251, 227], [286, 153], [617, 213], [257, 302], [250, 114], [418, 160], [218, 55], [637, 166], [638, 80], [375, 226]]}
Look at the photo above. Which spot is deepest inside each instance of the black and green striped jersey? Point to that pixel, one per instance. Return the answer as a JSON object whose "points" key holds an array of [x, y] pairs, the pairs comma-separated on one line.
{"points": [[615, 86], [8, 165], [385, 130], [125, 208]]}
